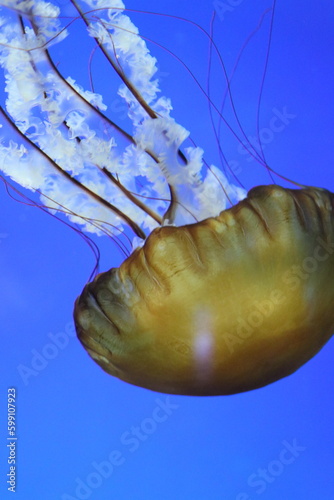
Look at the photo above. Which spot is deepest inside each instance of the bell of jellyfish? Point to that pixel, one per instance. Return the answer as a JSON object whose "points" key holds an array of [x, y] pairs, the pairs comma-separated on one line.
{"points": [[209, 301]]}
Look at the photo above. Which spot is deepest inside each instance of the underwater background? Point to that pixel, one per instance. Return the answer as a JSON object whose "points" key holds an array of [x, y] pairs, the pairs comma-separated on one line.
{"points": [[83, 434]]}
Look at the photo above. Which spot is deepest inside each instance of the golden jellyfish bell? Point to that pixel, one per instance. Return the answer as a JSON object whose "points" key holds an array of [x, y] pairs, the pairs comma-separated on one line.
{"points": [[226, 305]]}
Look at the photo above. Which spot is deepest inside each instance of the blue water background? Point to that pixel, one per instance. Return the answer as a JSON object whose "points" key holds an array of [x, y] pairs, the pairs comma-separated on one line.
{"points": [[72, 419]]}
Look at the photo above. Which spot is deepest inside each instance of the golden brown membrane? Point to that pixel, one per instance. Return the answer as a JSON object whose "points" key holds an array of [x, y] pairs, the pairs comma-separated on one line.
{"points": [[223, 306]]}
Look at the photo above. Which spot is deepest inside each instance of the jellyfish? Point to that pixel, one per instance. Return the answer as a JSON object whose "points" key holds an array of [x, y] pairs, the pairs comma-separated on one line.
{"points": [[224, 291]]}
